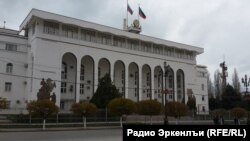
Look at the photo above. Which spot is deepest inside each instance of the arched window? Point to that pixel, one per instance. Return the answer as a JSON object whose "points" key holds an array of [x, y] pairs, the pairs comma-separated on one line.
{"points": [[180, 86], [64, 70], [9, 68]]}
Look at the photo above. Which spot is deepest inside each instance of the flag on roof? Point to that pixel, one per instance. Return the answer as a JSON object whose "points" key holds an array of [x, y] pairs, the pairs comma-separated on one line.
{"points": [[142, 14], [130, 10]]}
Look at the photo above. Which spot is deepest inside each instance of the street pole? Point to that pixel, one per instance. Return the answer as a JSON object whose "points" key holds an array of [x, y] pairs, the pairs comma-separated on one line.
{"points": [[43, 124], [165, 92], [45, 114], [246, 83], [84, 118], [85, 125]]}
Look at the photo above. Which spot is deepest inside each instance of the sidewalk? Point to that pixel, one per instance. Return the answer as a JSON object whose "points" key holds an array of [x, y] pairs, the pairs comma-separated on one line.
{"points": [[56, 129]]}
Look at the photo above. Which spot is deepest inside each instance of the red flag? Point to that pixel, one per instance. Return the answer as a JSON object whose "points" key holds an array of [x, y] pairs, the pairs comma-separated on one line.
{"points": [[129, 10], [142, 14]]}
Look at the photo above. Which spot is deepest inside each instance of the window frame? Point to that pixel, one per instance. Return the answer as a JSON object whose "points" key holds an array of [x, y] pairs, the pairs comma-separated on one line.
{"points": [[9, 68], [63, 87], [8, 86]]}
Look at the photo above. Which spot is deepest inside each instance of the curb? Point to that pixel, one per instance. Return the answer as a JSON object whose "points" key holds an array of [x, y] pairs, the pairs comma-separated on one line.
{"points": [[56, 129]]}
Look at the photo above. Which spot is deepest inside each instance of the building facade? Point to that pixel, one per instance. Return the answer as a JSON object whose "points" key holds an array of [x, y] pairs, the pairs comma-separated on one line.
{"points": [[75, 54]]}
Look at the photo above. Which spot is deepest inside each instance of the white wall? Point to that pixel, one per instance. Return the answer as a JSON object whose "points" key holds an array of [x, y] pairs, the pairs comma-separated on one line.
{"points": [[201, 95], [18, 76]]}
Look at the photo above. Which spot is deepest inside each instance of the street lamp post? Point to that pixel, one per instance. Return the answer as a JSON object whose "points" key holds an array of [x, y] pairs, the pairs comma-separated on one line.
{"points": [[84, 117], [45, 115], [246, 83], [166, 70]]}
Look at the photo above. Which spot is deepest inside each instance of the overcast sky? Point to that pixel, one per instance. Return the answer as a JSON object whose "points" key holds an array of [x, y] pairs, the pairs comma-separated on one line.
{"points": [[221, 27]]}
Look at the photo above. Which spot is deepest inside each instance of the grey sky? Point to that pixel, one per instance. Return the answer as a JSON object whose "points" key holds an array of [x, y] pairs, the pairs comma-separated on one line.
{"points": [[221, 27]]}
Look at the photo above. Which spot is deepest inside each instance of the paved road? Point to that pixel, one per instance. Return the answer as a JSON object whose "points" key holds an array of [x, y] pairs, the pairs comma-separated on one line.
{"points": [[76, 135]]}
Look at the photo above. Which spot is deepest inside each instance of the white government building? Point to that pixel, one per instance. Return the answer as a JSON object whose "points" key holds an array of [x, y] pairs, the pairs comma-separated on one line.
{"points": [[76, 54]]}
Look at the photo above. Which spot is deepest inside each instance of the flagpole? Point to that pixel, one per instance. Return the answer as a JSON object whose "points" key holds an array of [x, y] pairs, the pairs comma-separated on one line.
{"points": [[127, 14], [138, 12]]}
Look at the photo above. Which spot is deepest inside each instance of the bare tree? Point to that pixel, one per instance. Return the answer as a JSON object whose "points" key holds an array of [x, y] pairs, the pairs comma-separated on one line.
{"points": [[236, 81], [217, 84], [210, 87]]}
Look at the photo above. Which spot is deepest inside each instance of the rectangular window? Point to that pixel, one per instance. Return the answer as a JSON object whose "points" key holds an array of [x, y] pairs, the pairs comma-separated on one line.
{"points": [[11, 47], [87, 35], [148, 92], [133, 44], [171, 51], [167, 51], [8, 86], [63, 87], [64, 71], [51, 28], [145, 47], [170, 96], [135, 92], [159, 95], [158, 49], [190, 55], [148, 79], [82, 72], [203, 109], [104, 39], [123, 77], [159, 80], [203, 98], [136, 78], [119, 41], [70, 31], [81, 88], [62, 105], [123, 91], [9, 68]]}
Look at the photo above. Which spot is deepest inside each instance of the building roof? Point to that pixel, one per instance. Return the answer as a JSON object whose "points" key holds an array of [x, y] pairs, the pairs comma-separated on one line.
{"points": [[201, 66], [77, 22], [9, 31]]}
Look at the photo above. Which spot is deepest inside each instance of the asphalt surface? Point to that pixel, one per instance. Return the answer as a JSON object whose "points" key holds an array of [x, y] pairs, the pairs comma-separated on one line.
{"points": [[69, 135]]}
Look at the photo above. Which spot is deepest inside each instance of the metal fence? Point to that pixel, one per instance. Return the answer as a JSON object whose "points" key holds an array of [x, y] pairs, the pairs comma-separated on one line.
{"points": [[102, 118]]}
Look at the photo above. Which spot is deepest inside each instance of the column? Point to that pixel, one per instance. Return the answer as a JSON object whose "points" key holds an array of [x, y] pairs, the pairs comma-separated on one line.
{"points": [[77, 92], [163, 86], [95, 74], [175, 85], [126, 80], [57, 89], [112, 71], [140, 82], [152, 84]]}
